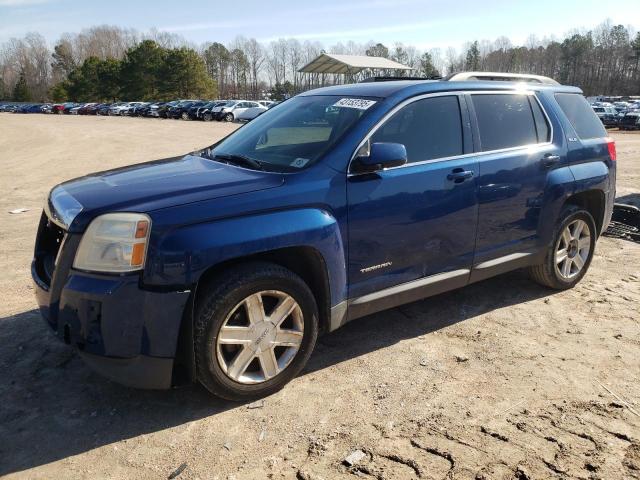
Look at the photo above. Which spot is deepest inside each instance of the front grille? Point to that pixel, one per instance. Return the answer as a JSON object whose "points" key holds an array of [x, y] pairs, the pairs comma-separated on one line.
{"points": [[50, 240]]}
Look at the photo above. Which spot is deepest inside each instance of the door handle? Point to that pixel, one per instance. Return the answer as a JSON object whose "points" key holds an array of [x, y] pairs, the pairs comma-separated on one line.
{"points": [[549, 159], [459, 175]]}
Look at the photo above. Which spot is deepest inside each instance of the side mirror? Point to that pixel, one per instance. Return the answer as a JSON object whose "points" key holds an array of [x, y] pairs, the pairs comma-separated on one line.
{"points": [[381, 156]]}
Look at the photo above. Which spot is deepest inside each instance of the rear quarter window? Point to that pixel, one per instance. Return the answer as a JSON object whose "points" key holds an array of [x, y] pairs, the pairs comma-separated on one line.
{"points": [[581, 116], [506, 121]]}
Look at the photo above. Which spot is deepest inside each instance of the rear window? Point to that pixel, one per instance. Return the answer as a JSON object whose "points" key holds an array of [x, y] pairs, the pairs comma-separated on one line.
{"points": [[506, 121], [580, 114]]}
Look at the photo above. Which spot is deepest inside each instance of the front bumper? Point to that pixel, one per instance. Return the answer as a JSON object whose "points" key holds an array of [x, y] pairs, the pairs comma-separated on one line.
{"points": [[126, 333]]}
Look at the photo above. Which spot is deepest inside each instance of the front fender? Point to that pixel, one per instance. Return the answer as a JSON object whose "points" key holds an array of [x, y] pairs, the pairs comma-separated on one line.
{"points": [[182, 255]]}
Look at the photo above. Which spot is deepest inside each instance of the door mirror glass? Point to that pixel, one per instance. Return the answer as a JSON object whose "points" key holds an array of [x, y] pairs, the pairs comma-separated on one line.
{"points": [[379, 156]]}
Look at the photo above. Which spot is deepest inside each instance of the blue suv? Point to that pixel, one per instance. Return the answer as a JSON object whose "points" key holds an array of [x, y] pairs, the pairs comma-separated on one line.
{"points": [[223, 266]]}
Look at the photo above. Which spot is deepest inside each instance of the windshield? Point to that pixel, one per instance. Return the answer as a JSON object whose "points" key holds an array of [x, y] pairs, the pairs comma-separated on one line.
{"points": [[296, 133]]}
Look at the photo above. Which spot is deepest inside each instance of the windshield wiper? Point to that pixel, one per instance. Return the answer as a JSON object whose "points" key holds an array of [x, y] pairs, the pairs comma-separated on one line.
{"points": [[241, 160]]}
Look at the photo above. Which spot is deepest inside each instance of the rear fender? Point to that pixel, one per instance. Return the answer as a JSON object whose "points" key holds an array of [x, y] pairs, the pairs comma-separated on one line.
{"points": [[560, 186]]}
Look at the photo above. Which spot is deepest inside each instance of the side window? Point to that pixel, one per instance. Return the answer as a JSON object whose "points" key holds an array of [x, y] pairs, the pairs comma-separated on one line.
{"points": [[542, 126], [580, 114], [504, 121], [430, 128]]}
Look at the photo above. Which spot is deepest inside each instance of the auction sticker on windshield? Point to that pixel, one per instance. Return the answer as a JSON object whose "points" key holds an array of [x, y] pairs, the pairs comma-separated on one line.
{"points": [[359, 103]]}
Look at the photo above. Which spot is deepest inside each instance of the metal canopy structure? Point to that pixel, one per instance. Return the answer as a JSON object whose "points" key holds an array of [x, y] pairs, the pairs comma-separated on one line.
{"points": [[349, 64]]}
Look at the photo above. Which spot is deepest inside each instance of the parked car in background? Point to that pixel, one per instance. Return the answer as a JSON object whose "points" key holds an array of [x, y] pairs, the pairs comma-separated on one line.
{"points": [[118, 108], [144, 111], [75, 110], [181, 110], [84, 109], [249, 114], [103, 109], [196, 110], [206, 112], [8, 108], [621, 106], [230, 110], [57, 108], [607, 115], [135, 109], [266, 103], [630, 120], [68, 107], [163, 110]]}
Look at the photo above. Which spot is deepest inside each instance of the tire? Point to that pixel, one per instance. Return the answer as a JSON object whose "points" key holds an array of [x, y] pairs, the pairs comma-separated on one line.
{"points": [[551, 273], [207, 117], [222, 303], [184, 116], [60, 112], [228, 117]]}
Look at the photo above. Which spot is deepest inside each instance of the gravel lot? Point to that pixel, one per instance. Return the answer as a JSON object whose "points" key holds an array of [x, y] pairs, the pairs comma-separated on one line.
{"points": [[502, 379]]}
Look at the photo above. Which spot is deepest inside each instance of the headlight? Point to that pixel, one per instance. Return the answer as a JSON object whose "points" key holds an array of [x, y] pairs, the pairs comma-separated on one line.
{"points": [[115, 242]]}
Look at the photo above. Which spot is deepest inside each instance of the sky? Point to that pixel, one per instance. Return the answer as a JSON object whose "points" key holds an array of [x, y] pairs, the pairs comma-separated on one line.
{"points": [[422, 23]]}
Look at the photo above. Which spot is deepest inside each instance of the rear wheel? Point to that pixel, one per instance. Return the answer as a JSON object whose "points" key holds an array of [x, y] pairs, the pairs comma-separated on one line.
{"points": [[207, 117], [569, 256], [184, 116], [255, 329]]}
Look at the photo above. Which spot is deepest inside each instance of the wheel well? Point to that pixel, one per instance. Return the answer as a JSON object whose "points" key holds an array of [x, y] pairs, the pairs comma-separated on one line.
{"points": [[306, 262], [594, 202]]}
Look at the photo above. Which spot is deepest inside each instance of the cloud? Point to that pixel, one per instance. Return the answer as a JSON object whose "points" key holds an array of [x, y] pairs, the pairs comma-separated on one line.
{"points": [[215, 25], [21, 3], [302, 13], [357, 32]]}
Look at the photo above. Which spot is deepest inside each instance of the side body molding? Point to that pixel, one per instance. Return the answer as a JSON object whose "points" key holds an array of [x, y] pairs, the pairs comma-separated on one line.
{"points": [[182, 255]]}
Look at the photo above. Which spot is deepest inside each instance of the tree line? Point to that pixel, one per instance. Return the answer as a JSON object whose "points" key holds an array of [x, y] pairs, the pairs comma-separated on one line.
{"points": [[107, 63]]}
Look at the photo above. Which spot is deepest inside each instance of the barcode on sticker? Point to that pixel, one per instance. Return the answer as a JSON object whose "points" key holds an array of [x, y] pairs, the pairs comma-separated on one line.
{"points": [[359, 103]]}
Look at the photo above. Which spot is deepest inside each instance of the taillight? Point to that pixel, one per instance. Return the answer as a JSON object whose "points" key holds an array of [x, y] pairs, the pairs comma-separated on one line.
{"points": [[611, 146]]}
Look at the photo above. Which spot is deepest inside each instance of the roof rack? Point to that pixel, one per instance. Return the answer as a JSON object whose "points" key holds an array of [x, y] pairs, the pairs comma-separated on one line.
{"points": [[393, 79], [500, 77]]}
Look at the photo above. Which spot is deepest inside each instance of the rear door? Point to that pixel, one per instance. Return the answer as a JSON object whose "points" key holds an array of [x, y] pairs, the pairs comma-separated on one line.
{"points": [[516, 151], [417, 220]]}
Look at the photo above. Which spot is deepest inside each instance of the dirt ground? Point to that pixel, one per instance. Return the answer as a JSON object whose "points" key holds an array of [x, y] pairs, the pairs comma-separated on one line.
{"points": [[500, 380]]}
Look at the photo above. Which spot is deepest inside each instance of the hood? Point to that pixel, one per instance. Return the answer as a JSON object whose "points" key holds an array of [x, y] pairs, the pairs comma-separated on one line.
{"points": [[158, 184]]}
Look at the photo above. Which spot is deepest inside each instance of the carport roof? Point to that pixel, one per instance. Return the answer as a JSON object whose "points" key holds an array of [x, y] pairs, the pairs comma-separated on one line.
{"points": [[332, 63]]}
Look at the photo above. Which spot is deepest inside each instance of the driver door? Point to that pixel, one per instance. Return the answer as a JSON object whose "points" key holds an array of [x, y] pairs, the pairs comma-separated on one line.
{"points": [[416, 224]]}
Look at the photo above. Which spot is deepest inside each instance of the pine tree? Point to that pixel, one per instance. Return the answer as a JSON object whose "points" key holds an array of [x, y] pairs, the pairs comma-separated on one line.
{"points": [[21, 91], [472, 62]]}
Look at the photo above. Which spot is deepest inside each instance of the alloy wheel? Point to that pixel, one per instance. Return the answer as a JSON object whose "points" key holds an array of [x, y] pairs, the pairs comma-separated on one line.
{"points": [[572, 249], [260, 337]]}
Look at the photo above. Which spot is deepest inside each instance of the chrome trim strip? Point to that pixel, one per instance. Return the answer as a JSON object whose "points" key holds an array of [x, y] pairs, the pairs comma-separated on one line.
{"points": [[338, 316], [406, 102], [500, 260], [421, 282]]}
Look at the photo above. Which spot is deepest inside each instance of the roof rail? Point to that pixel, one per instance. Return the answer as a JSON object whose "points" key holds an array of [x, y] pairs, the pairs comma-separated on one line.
{"points": [[393, 79], [500, 77]]}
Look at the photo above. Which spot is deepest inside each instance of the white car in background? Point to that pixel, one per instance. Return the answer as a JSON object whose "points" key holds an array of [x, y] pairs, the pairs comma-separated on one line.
{"points": [[251, 113], [121, 108], [230, 110]]}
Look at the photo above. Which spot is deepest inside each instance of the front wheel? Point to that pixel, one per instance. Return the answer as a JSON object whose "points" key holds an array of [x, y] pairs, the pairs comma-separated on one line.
{"points": [[255, 329], [207, 117], [228, 117], [569, 256]]}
